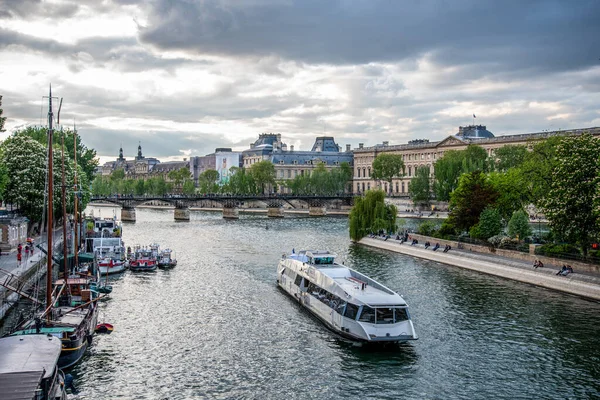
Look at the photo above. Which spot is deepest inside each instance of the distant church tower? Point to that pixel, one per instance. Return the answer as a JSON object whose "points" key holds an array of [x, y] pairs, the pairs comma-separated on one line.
{"points": [[139, 156]]}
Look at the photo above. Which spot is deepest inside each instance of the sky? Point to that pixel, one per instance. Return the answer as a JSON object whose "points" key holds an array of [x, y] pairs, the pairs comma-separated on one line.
{"points": [[183, 77]]}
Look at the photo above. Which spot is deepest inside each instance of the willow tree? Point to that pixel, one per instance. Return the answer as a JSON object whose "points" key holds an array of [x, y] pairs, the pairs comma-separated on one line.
{"points": [[371, 214]]}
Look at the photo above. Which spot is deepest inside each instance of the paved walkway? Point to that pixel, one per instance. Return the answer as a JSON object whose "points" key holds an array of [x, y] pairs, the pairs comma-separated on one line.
{"points": [[586, 284]]}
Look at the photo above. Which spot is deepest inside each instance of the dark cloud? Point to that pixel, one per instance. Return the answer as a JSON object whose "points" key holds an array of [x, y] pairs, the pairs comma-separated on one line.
{"points": [[535, 34], [33, 8]]}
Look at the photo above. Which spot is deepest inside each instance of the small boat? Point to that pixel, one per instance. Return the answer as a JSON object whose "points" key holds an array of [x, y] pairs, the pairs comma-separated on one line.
{"points": [[104, 327], [110, 265], [166, 259], [29, 368], [346, 301], [143, 260]]}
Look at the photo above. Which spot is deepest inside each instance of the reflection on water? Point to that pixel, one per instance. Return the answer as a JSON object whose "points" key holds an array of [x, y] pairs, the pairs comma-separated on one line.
{"points": [[216, 326]]}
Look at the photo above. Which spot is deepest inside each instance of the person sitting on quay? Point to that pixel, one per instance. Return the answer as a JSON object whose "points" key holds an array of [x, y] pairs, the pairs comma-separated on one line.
{"points": [[427, 244], [538, 264], [565, 270], [437, 246], [414, 242], [447, 248]]}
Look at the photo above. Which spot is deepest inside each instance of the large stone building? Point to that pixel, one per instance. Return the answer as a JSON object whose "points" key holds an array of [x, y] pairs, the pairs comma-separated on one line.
{"points": [[291, 163], [423, 153], [139, 167], [221, 160]]}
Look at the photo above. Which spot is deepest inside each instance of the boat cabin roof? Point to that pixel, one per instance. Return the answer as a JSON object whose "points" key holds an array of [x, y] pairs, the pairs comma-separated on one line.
{"points": [[315, 257], [71, 281], [29, 353]]}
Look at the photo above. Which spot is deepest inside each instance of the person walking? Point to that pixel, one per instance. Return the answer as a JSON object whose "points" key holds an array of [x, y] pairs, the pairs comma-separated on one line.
{"points": [[19, 258]]}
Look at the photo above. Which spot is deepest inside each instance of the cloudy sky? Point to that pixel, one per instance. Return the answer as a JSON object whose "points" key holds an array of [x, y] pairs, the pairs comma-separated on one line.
{"points": [[185, 76]]}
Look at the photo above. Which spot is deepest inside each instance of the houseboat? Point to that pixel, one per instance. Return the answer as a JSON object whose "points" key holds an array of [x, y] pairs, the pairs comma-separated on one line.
{"points": [[166, 259], [346, 301], [143, 259], [29, 370]]}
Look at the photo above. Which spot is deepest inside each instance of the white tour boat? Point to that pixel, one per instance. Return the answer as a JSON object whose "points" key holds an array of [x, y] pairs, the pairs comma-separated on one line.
{"points": [[346, 301]]}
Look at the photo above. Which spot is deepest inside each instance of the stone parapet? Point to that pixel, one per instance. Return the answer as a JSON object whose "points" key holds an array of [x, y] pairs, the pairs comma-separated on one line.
{"points": [[275, 212], [317, 211], [128, 214]]}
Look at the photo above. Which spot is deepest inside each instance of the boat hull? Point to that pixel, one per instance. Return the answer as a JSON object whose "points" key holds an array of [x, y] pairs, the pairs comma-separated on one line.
{"points": [[351, 329], [135, 267], [115, 269]]}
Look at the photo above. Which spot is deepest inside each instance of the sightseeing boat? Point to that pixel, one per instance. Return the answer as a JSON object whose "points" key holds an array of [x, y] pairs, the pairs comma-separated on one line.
{"points": [[144, 259], [166, 259], [29, 368], [346, 301]]}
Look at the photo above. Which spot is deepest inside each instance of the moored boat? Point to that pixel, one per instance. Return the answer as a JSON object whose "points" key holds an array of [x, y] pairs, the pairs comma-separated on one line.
{"points": [[29, 370], [346, 301], [143, 260], [166, 259]]}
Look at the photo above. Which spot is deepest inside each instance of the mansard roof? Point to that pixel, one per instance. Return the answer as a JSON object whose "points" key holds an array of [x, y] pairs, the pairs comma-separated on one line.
{"points": [[301, 157]]}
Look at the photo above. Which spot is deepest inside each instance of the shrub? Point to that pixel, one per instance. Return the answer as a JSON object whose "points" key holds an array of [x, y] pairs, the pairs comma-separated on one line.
{"points": [[427, 228], [518, 226], [557, 250], [499, 240]]}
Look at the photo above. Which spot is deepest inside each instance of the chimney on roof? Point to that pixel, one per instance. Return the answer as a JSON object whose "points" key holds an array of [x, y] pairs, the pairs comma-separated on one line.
{"points": [[386, 143], [347, 147], [292, 147], [361, 145]]}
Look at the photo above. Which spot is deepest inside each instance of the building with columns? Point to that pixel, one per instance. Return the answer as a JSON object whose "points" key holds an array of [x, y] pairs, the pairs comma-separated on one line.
{"points": [[423, 153]]}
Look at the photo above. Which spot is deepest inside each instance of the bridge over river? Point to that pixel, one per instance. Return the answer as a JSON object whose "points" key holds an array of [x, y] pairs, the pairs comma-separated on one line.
{"points": [[275, 204]]}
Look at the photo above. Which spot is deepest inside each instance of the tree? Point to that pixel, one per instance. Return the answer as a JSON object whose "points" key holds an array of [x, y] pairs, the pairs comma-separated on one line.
{"points": [[179, 176], [117, 175], [490, 224], [572, 202], [513, 191], [518, 226], [538, 166], [420, 187], [473, 194], [207, 181], [25, 162], [371, 214], [85, 157], [452, 165], [388, 166], [2, 119], [140, 187], [510, 156], [188, 187], [240, 182], [263, 173]]}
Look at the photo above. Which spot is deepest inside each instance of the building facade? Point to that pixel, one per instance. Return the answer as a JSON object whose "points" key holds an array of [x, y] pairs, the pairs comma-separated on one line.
{"points": [[423, 153], [139, 167]]}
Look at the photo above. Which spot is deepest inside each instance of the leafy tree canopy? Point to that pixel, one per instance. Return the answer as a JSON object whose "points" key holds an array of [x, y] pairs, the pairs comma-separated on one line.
{"points": [[452, 165], [473, 194], [2, 119], [518, 226], [371, 214], [388, 166], [263, 173], [513, 191], [572, 203], [419, 188], [509, 157], [85, 157]]}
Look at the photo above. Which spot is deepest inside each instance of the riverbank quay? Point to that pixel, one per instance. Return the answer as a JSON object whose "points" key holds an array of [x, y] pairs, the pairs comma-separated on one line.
{"points": [[31, 269], [584, 284]]}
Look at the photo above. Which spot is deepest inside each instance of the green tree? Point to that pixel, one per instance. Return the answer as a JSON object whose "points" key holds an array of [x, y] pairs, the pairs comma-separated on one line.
{"points": [[263, 173], [370, 214], [473, 194], [419, 188], [85, 157], [240, 182], [207, 181], [117, 175], [2, 119], [188, 187], [386, 167], [454, 163], [510, 156], [25, 162], [140, 187], [179, 176], [518, 226], [572, 204], [538, 166], [513, 190], [490, 224]]}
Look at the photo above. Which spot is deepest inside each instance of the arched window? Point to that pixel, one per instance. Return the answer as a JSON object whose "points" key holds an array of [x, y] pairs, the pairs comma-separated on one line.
{"points": [[409, 171], [364, 171], [358, 172]]}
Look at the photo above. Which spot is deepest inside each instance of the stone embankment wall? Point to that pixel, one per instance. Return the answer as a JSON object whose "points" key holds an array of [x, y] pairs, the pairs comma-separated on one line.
{"points": [[584, 286], [517, 255]]}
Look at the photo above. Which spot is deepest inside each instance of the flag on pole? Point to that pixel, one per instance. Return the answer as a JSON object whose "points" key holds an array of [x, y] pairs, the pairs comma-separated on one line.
{"points": [[474, 116]]}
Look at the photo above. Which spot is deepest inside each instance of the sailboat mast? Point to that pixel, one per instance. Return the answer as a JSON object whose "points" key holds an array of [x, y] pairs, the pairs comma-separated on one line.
{"points": [[50, 208], [76, 241], [64, 207]]}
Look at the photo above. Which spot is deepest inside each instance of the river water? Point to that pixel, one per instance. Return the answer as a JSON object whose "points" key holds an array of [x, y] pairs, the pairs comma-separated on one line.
{"points": [[216, 326]]}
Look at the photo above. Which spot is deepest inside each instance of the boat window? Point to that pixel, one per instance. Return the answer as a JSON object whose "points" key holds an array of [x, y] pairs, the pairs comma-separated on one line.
{"points": [[384, 315], [351, 311], [340, 307], [367, 315], [401, 314], [298, 280]]}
